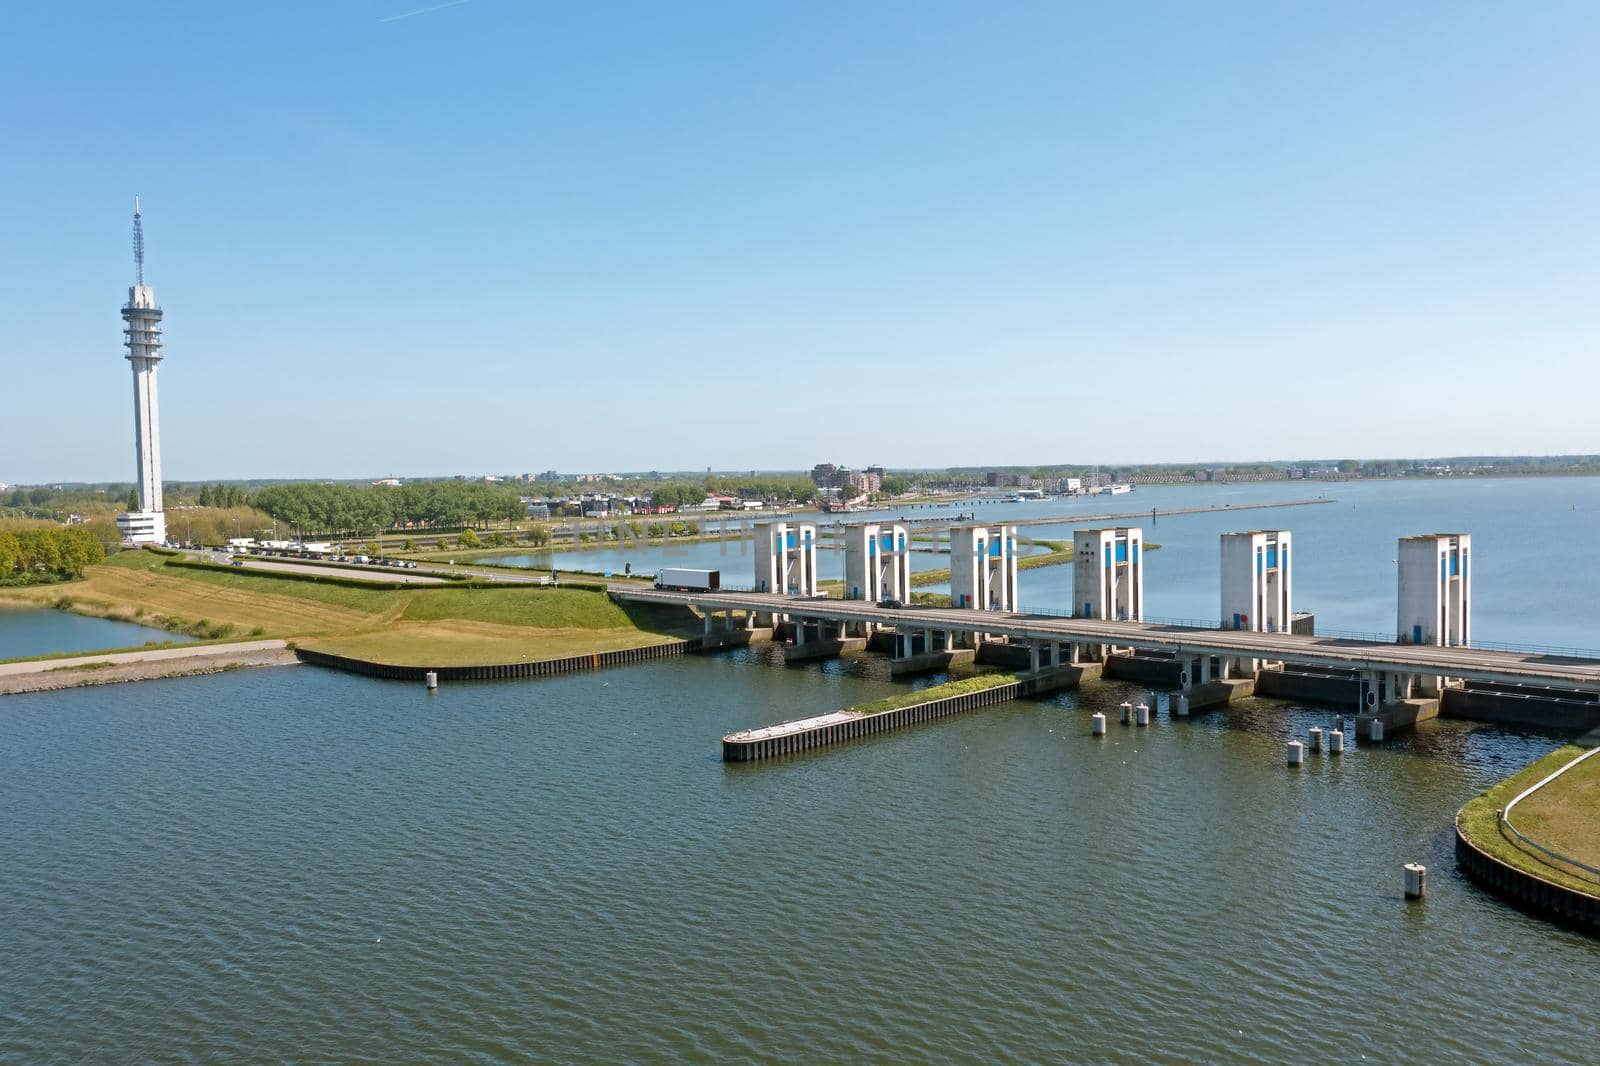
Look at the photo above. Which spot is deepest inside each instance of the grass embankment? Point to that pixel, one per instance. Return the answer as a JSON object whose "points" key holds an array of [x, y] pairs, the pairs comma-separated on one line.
{"points": [[421, 626], [1562, 816], [960, 687]]}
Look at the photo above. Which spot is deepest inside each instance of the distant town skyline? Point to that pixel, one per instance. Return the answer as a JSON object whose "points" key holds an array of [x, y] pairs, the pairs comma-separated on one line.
{"points": [[919, 237]]}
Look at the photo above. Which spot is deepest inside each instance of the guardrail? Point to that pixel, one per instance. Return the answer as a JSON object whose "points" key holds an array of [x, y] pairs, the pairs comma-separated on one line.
{"points": [[1505, 818]]}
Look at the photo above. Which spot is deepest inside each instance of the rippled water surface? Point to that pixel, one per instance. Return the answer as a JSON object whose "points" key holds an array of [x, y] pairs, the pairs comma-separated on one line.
{"points": [[298, 864]]}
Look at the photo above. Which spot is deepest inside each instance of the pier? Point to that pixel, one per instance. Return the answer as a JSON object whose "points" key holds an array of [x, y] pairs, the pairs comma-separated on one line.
{"points": [[820, 731]]}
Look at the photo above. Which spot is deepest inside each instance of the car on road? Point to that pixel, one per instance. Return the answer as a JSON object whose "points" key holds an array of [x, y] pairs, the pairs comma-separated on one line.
{"points": [[891, 604]]}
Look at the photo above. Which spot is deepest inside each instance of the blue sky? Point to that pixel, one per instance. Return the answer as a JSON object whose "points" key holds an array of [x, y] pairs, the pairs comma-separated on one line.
{"points": [[511, 236]]}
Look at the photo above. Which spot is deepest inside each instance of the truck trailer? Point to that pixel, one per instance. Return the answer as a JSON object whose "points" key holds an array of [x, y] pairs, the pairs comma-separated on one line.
{"points": [[679, 580]]}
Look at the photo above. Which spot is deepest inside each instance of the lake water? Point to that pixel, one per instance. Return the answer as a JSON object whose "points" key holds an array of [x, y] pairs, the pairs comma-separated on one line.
{"points": [[1532, 581], [29, 632], [295, 864]]}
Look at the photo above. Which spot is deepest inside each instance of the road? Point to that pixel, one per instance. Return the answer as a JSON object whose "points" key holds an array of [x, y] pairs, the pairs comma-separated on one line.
{"points": [[1470, 663], [387, 574]]}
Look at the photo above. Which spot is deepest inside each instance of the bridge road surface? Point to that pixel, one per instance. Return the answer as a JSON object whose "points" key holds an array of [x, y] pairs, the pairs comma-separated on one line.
{"points": [[1475, 664]]}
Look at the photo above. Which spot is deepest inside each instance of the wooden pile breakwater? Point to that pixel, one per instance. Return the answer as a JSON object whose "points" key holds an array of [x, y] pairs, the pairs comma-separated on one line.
{"points": [[572, 664], [806, 734]]}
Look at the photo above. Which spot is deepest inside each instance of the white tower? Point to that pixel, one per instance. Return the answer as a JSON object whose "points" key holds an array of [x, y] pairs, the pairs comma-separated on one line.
{"points": [[1435, 595], [1108, 574], [786, 558], [983, 567], [1257, 589], [877, 562], [147, 525]]}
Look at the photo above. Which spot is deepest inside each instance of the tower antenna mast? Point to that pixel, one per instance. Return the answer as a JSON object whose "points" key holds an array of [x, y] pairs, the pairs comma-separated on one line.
{"points": [[138, 241]]}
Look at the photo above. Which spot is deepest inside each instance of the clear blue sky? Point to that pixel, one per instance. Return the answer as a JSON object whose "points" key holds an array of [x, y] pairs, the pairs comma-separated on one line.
{"points": [[508, 236]]}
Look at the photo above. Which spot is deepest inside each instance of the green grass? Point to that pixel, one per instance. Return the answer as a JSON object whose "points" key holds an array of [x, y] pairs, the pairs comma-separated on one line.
{"points": [[459, 623], [1480, 820], [546, 608], [961, 687], [367, 601], [456, 643]]}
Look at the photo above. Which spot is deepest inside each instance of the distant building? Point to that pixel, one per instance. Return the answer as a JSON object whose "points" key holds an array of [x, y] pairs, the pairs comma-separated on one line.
{"points": [[865, 481], [825, 476], [388, 482]]}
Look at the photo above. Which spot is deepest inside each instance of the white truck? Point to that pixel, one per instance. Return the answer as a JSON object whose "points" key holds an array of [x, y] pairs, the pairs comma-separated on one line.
{"points": [[680, 580]]}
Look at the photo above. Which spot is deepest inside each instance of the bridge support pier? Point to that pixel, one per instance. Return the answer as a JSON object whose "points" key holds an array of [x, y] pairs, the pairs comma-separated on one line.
{"points": [[921, 651], [812, 641]]}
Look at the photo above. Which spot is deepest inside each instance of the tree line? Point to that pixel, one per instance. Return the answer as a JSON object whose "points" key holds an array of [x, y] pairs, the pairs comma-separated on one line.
{"points": [[318, 508], [30, 553]]}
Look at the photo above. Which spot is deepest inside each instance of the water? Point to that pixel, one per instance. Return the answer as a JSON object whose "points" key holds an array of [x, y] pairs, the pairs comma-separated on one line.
{"points": [[298, 864], [1540, 591], [28, 632], [733, 557]]}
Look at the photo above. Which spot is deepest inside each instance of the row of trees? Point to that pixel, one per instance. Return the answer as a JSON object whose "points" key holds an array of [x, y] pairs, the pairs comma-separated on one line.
{"points": [[31, 552], [215, 525], [689, 493], [220, 495], [316, 508]]}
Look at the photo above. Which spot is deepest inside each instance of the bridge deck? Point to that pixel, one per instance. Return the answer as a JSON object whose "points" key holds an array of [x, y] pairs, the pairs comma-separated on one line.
{"points": [[1470, 663]]}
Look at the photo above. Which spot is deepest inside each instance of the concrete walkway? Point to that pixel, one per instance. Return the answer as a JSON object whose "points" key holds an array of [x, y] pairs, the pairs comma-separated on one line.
{"points": [[106, 668]]}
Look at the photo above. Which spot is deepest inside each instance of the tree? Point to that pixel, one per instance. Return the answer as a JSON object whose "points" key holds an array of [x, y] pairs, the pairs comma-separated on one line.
{"points": [[10, 554], [468, 539], [374, 548], [410, 545], [133, 500], [539, 536]]}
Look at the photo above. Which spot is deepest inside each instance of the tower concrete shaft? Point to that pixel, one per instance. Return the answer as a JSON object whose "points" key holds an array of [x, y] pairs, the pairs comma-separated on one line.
{"points": [[143, 339]]}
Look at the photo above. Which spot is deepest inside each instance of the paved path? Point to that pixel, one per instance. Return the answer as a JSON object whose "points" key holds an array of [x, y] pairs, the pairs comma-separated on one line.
{"points": [[108, 667]]}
